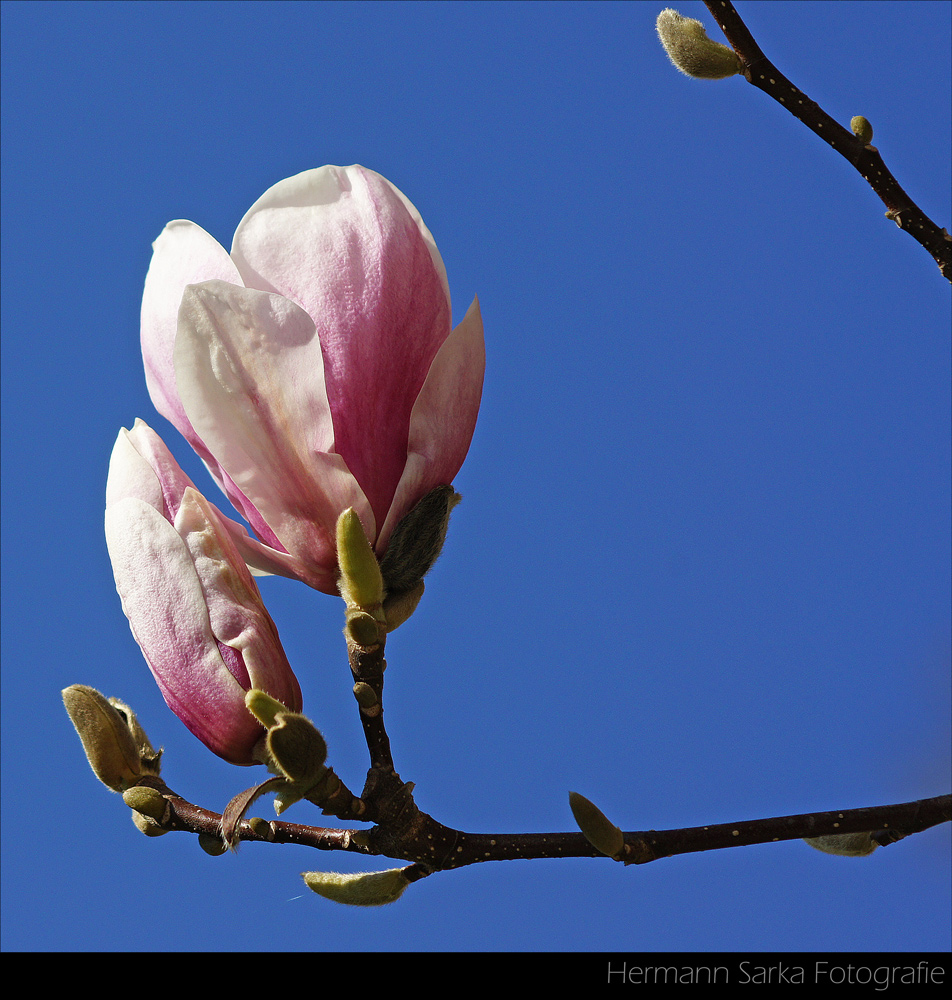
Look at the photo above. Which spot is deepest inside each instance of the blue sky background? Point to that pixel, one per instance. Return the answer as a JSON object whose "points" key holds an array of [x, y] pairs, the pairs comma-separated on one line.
{"points": [[701, 569]]}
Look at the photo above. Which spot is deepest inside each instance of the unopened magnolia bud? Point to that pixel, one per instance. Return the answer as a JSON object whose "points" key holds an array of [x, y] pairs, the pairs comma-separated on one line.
{"points": [[691, 51], [417, 540], [361, 584], [148, 801], [116, 746], [368, 889], [862, 129], [849, 845], [599, 831]]}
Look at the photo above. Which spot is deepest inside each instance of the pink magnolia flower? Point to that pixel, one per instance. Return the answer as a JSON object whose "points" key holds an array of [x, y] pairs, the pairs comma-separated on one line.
{"points": [[193, 606], [314, 368]]}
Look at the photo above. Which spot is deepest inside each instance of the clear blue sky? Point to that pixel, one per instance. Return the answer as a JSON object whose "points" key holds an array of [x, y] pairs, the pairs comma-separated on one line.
{"points": [[701, 568]]}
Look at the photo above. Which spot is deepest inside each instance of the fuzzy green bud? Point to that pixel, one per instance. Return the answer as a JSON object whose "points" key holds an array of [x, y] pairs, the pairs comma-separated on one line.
{"points": [[691, 51], [848, 845], [117, 748], [599, 831], [148, 801], [361, 584], [862, 129], [213, 846], [362, 889], [362, 629], [261, 827], [147, 825], [366, 697], [297, 748]]}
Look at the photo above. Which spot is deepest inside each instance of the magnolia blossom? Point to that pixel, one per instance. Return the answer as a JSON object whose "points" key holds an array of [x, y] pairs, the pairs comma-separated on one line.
{"points": [[314, 368], [191, 601]]}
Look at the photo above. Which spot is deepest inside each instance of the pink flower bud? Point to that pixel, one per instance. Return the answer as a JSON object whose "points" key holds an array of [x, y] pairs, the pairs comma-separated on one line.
{"points": [[315, 367], [192, 604]]}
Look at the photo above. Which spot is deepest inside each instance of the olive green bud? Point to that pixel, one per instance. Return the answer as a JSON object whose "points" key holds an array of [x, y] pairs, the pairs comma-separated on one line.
{"points": [[862, 129], [213, 846], [297, 748], [362, 629], [691, 51], [366, 889], [599, 831], [147, 825], [366, 696], [261, 827], [117, 748], [148, 801], [849, 845]]}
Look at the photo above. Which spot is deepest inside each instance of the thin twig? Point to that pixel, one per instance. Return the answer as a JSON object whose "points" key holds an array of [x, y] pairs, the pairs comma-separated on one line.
{"points": [[440, 848], [762, 73]]}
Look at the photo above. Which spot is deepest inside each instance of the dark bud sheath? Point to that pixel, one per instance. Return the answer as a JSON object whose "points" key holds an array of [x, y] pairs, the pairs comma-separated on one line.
{"points": [[417, 540]]}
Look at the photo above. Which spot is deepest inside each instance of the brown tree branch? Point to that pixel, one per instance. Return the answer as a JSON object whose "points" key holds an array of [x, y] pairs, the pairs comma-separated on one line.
{"points": [[762, 73], [418, 838]]}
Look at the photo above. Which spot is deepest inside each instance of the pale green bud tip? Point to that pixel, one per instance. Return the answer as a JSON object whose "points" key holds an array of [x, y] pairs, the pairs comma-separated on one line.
{"points": [[862, 129], [367, 889], [599, 831], [691, 51], [361, 583], [117, 749], [263, 707], [849, 845]]}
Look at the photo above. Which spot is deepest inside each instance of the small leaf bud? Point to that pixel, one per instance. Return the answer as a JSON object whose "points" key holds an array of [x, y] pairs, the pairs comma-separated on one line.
{"points": [[848, 845], [213, 846], [361, 889], [362, 629], [261, 827], [599, 831], [148, 801], [862, 129], [147, 825], [365, 695]]}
